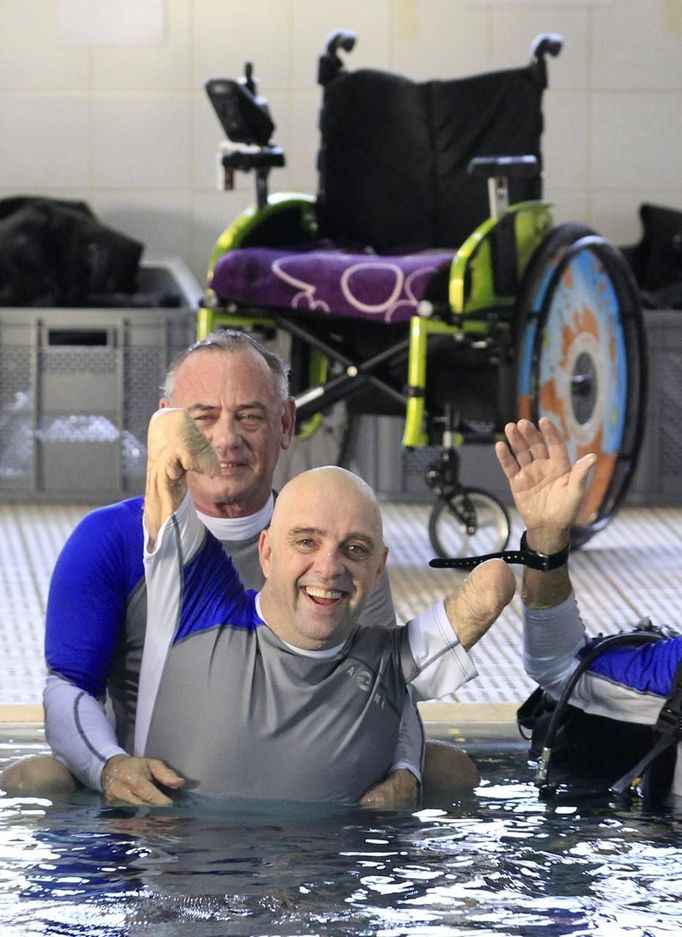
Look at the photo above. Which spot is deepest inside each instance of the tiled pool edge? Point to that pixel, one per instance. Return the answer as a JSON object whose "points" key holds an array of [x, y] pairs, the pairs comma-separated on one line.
{"points": [[18, 713], [453, 714]]}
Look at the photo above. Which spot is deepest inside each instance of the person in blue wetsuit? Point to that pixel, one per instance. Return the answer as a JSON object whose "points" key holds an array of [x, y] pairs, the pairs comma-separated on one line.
{"points": [[626, 683], [283, 694], [237, 393]]}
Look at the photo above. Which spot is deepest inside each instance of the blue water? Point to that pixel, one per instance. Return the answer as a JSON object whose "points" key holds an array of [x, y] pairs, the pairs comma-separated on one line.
{"points": [[498, 863]]}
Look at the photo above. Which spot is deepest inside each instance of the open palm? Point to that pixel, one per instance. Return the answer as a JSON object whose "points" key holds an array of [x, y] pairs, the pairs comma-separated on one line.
{"points": [[547, 490]]}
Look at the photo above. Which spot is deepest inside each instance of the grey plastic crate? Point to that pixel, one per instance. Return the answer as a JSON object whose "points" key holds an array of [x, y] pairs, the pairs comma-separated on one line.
{"points": [[77, 387]]}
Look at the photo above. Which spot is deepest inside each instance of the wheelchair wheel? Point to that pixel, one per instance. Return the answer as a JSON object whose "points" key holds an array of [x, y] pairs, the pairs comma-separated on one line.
{"points": [[467, 523], [582, 360]]}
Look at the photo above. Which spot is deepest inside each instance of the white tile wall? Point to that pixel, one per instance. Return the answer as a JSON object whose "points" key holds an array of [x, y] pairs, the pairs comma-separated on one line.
{"points": [[130, 130], [566, 155], [45, 140], [227, 33], [515, 24], [637, 46], [32, 57], [442, 39], [163, 68], [636, 140]]}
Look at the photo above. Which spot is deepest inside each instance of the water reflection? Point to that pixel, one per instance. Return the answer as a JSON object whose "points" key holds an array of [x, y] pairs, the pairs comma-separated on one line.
{"points": [[501, 863]]}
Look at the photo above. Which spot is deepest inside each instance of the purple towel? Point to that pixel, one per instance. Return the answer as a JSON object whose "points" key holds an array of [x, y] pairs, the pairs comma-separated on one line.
{"points": [[383, 288]]}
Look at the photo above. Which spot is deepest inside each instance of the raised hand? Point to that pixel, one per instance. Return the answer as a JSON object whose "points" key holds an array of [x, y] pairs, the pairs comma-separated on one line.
{"points": [[546, 488]]}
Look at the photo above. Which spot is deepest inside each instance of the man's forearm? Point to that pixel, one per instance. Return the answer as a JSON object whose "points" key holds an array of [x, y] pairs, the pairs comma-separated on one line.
{"points": [[553, 631], [440, 664], [78, 731], [178, 542], [174, 447], [545, 590], [552, 637], [161, 499]]}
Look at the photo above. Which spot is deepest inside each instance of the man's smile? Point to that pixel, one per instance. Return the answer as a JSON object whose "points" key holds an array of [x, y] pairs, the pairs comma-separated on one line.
{"points": [[231, 466], [323, 596]]}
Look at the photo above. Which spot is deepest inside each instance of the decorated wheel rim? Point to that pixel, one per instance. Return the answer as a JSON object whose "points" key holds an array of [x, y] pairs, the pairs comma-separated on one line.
{"points": [[577, 369]]}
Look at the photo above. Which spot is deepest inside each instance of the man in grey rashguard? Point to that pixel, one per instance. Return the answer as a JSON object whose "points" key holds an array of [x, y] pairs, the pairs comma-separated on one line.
{"points": [[298, 701]]}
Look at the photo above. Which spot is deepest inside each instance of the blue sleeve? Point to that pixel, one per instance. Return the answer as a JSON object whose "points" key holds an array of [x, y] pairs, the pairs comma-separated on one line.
{"points": [[213, 593], [97, 570], [647, 668]]}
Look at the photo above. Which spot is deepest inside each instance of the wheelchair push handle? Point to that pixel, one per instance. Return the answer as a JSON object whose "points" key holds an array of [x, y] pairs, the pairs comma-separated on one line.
{"points": [[546, 44], [329, 64], [543, 45]]}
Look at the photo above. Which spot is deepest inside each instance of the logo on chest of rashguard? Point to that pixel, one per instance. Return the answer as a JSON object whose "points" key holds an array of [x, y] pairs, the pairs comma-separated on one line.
{"points": [[364, 681]]}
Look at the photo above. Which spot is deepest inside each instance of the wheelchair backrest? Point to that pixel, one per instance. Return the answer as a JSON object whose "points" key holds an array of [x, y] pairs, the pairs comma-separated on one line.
{"points": [[394, 154]]}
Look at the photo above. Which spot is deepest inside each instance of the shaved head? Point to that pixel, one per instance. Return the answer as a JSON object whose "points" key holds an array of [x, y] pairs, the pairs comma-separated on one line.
{"points": [[330, 483], [322, 555]]}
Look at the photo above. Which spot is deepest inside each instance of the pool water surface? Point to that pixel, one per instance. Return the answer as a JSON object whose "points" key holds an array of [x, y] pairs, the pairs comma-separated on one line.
{"points": [[500, 862]]}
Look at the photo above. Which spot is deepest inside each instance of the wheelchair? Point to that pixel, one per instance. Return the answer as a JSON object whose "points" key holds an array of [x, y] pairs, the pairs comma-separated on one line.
{"points": [[426, 279]]}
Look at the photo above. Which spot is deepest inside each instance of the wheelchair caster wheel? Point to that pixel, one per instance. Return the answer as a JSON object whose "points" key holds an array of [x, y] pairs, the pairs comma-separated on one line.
{"points": [[468, 523]]}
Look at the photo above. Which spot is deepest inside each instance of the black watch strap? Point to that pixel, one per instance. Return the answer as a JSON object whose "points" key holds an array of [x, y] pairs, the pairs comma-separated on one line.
{"points": [[524, 557]]}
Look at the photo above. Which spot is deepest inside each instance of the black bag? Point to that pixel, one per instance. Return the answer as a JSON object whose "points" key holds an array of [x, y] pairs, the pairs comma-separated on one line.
{"points": [[56, 253], [656, 260]]}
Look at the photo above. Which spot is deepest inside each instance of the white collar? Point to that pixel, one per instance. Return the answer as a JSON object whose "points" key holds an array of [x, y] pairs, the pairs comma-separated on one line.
{"points": [[239, 528], [301, 651]]}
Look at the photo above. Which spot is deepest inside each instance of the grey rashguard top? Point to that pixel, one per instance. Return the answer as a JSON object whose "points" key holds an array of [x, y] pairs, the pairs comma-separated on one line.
{"points": [[271, 721]]}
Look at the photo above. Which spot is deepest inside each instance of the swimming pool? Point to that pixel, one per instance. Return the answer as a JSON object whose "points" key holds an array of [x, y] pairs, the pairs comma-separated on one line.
{"points": [[498, 863]]}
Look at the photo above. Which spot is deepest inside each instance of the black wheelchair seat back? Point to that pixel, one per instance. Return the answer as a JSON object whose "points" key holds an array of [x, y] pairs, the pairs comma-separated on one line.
{"points": [[394, 154]]}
